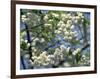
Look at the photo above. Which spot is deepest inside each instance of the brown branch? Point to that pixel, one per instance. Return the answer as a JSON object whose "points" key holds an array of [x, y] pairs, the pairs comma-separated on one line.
{"points": [[85, 46]]}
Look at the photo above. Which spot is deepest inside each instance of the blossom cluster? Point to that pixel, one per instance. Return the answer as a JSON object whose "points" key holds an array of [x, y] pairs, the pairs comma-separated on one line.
{"points": [[31, 19], [49, 60]]}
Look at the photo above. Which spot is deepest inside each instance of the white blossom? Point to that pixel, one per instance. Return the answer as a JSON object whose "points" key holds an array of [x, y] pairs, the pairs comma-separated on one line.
{"points": [[46, 25], [63, 15], [34, 57], [57, 50], [34, 49], [29, 13], [44, 53], [42, 40], [28, 44], [50, 20], [25, 41], [72, 27], [22, 40], [69, 16], [83, 57], [77, 18], [66, 37], [66, 33], [58, 32], [60, 29], [82, 20], [69, 22], [65, 30], [69, 38], [63, 26], [68, 26], [23, 16], [46, 17], [36, 39], [80, 14], [76, 21], [33, 43], [68, 49], [55, 15], [60, 23], [76, 51]]}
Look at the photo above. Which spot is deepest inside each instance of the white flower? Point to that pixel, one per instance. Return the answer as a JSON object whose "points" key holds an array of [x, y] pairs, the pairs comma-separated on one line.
{"points": [[77, 18], [83, 57], [82, 20], [25, 41], [65, 30], [57, 51], [69, 15], [76, 21], [73, 18], [66, 33], [23, 16], [36, 39], [36, 63], [51, 20], [58, 32], [42, 40], [33, 43], [52, 58], [69, 22], [76, 51], [72, 27], [44, 53], [66, 37], [80, 14], [63, 15], [46, 17], [69, 38], [34, 57], [43, 56], [22, 40], [33, 54], [68, 26], [24, 19], [55, 31], [28, 44], [29, 13], [55, 15], [60, 29], [47, 25], [63, 26], [68, 49], [60, 23], [73, 33], [34, 49]]}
